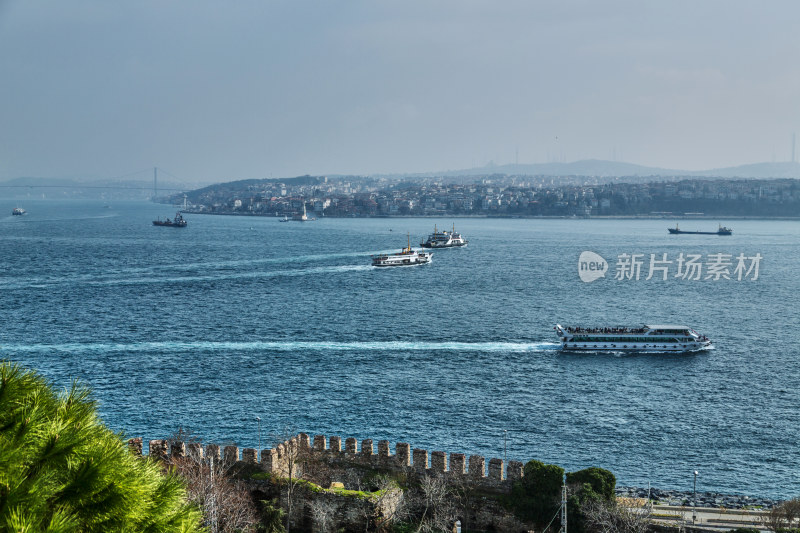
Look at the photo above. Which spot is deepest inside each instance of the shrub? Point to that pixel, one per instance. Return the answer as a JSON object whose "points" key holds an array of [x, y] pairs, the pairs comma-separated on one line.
{"points": [[536, 497], [62, 470], [601, 482]]}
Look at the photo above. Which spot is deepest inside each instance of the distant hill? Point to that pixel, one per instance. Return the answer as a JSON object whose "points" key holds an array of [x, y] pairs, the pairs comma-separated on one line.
{"points": [[785, 169], [105, 189], [601, 168]]}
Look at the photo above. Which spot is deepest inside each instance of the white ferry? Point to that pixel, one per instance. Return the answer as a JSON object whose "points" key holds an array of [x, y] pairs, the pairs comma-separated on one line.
{"points": [[646, 338], [444, 239], [407, 257]]}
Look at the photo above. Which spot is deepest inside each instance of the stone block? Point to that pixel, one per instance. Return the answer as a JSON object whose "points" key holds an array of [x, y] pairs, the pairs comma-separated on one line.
{"points": [[158, 449], [213, 452], [366, 447], [514, 470], [195, 451], [383, 448], [458, 464], [135, 446], [250, 456], [350, 445], [403, 454], [177, 450], [420, 460], [477, 466], [231, 454], [269, 460], [496, 469], [438, 462], [304, 441]]}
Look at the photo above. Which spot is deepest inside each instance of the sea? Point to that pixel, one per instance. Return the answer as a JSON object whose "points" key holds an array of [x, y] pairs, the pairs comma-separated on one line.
{"points": [[238, 329]]}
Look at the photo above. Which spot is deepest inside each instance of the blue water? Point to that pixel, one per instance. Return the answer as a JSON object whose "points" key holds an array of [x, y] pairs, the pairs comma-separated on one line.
{"points": [[232, 318]]}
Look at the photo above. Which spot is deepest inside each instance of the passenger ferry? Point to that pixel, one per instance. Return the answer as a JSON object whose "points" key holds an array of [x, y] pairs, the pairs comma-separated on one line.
{"points": [[646, 338], [444, 239], [407, 257]]}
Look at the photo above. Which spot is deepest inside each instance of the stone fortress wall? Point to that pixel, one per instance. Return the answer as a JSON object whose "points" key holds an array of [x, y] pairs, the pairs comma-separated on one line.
{"points": [[336, 453]]}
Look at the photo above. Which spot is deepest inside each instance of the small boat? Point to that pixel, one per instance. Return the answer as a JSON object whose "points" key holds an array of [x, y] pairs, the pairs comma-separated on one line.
{"points": [[284, 219], [444, 239], [18, 211], [177, 222], [721, 231], [407, 257], [645, 338]]}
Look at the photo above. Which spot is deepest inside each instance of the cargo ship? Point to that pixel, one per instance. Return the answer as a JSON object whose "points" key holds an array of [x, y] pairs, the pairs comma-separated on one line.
{"points": [[721, 231], [177, 222]]}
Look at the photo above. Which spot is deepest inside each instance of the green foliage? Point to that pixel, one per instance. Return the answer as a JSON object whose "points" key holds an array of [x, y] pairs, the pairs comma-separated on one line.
{"points": [[271, 519], [586, 485], [62, 470], [745, 530], [536, 497], [601, 482]]}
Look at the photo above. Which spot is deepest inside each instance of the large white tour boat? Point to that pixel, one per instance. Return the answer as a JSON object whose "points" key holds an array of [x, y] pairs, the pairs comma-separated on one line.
{"points": [[646, 338], [408, 257], [444, 239]]}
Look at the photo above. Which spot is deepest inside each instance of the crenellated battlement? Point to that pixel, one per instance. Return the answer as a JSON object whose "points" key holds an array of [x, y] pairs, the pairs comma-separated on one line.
{"points": [[307, 458]]}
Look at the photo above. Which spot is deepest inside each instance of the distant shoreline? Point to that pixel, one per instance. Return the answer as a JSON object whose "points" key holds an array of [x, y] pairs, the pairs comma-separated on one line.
{"points": [[526, 217]]}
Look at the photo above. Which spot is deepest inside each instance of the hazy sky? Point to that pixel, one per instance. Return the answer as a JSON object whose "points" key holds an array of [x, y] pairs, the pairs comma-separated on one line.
{"points": [[223, 90]]}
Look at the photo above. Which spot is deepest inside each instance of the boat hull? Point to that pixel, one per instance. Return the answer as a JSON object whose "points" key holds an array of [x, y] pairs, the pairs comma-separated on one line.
{"points": [[433, 245], [674, 231], [387, 265], [635, 347], [169, 225]]}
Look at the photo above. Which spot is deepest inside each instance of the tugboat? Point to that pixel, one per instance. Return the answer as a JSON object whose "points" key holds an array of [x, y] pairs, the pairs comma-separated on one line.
{"points": [[721, 231], [646, 338], [407, 257], [18, 211], [444, 239], [177, 222]]}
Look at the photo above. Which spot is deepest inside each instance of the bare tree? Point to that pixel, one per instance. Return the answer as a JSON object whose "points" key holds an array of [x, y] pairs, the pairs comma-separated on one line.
{"points": [[386, 504], [464, 489], [783, 515], [609, 517], [323, 512], [291, 455], [225, 502], [436, 510]]}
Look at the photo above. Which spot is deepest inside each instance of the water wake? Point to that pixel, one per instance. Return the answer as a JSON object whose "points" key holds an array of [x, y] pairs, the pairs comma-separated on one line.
{"points": [[284, 346], [46, 282]]}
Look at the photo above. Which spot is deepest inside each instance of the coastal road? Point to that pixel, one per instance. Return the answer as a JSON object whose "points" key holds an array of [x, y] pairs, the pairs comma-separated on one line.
{"points": [[711, 518]]}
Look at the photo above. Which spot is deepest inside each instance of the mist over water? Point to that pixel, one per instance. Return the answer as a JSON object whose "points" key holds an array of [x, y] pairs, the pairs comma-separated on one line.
{"points": [[231, 318]]}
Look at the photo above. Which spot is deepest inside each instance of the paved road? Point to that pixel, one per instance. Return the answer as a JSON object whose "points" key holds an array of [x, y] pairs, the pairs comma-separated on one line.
{"points": [[709, 518]]}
